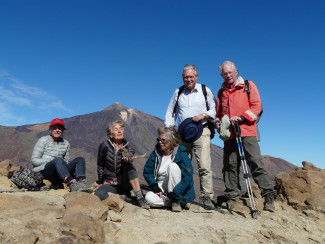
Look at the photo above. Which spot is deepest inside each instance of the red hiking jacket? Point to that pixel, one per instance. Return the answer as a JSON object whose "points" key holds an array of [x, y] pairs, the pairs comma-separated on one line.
{"points": [[235, 102]]}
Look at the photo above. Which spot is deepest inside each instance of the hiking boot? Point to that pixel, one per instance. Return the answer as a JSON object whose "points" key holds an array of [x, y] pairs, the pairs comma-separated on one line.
{"points": [[187, 206], [269, 203], [207, 201], [73, 186], [229, 205], [176, 206], [142, 203], [82, 184], [127, 198]]}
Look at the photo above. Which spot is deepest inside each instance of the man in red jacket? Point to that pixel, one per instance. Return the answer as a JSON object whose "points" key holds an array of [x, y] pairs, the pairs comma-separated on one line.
{"points": [[234, 102]]}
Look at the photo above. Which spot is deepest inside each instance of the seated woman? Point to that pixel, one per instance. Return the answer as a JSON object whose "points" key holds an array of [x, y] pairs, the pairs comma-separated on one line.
{"points": [[169, 171], [117, 175], [51, 156]]}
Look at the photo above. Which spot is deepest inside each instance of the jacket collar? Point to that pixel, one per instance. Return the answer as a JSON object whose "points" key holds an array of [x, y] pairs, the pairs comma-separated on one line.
{"points": [[124, 142], [159, 153], [239, 83]]}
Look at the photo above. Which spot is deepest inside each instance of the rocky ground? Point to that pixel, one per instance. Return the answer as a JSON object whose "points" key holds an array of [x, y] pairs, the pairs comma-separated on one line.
{"points": [[60, 217], [57, 216]]}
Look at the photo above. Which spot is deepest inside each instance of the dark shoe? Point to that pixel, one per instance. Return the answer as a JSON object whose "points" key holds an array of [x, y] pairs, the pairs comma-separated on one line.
{"points": [[142, 203], [229, 205], [82, 184], [127, 198], [176, 206], [269, 203], [207, 201], [73, 186]]}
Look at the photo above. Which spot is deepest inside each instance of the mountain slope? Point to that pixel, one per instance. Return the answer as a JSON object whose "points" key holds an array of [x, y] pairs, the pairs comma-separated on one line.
{"points": [[86, 132]]}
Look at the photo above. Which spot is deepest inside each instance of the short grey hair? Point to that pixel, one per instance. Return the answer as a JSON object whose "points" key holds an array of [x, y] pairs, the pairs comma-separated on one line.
{"points": [[190, 66], [172, 135], [111, 125], [227, 62]]}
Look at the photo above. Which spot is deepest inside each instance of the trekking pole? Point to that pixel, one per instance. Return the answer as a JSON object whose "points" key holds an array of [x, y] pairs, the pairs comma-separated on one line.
{"points": [[147, 188], [245, 170]]}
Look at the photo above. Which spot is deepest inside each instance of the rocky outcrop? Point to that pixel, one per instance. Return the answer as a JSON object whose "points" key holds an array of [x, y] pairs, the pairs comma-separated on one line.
{"points": [[5, 166], [303, 189]]}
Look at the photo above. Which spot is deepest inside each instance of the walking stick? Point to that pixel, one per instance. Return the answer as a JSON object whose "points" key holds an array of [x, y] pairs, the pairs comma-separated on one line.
{"points": [[245, 170]]}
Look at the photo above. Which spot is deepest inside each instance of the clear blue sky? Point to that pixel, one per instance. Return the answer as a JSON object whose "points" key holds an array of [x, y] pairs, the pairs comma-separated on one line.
{"points": [[66, 58]]}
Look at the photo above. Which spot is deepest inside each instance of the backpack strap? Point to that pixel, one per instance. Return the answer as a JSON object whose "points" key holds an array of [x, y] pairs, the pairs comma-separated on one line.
{"points": [[246, 87], [220, 99], [204, 90], [180, 90], [247, 91]]}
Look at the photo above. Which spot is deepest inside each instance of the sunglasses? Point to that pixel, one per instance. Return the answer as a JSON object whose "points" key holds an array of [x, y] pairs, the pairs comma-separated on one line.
{"points": [[163, 141]]}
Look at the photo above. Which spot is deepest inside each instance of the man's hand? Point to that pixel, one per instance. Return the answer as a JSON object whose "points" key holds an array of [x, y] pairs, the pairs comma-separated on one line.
{"points": [[235, 119], [197, 118]]}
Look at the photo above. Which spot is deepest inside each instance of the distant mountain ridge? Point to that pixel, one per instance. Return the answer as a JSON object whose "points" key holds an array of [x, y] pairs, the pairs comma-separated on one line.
{"points": [[86, 132]]}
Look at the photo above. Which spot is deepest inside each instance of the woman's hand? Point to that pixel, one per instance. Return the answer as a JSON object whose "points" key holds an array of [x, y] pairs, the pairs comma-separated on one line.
{"points": [[159, 194], [128, 160], [171, 196]]}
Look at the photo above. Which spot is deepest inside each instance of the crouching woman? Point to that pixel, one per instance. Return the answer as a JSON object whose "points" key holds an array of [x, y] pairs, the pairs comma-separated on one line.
{"points": [[117, 175], [51, 157], [169, 172]]}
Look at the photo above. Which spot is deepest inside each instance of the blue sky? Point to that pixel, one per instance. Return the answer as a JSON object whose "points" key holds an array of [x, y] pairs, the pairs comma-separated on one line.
{"points": [[66, 58]]}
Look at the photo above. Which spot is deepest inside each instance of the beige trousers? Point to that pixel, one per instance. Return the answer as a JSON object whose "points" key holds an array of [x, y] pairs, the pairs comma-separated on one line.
{"points": [[201, 149]]}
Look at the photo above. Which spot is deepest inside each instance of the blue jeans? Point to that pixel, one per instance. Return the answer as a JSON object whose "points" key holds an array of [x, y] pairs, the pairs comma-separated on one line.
{"points": [[56, 170]]}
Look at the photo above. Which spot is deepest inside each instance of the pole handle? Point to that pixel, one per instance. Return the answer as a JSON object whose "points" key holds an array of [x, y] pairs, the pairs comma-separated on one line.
{"points": [[236, 129]]}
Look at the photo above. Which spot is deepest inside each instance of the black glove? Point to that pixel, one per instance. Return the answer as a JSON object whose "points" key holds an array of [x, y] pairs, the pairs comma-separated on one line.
{"points": [[172, 196], [155, 188]]}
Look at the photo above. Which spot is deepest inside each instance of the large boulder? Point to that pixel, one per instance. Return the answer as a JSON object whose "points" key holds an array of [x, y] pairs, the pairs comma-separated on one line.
{"points": [[304, 188], [28, 217], [83, 227], [86, 203], [84, 217]]}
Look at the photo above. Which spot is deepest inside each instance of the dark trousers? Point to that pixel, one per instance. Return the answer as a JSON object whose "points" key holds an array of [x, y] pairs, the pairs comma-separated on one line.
{"points": [[128, 173], [56, 170], [232, 164]]}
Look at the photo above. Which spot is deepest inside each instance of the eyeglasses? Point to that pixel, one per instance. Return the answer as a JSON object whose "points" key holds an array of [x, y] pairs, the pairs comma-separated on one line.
{"points": [[162, 140]]}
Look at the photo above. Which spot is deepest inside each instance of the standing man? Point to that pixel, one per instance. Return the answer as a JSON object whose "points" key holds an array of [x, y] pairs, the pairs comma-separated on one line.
{"points": [[189, 101], [244, 108]]}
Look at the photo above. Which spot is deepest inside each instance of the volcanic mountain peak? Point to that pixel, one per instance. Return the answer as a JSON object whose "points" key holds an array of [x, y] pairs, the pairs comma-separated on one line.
{"points": [[116, 106]]}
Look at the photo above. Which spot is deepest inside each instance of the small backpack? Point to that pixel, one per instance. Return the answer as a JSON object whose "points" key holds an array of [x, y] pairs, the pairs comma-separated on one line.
{"points": [[26, 178]]}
